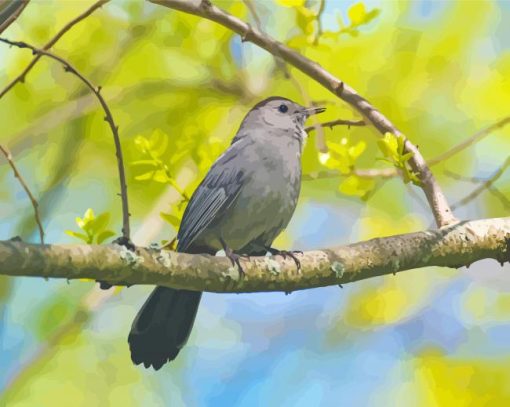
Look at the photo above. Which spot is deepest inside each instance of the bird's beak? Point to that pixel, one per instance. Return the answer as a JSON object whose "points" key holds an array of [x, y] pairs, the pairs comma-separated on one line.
{"points": [[313, 110]]}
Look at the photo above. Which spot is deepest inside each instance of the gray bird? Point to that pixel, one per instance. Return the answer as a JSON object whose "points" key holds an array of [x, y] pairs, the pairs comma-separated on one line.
{"points": [[246, 199]]}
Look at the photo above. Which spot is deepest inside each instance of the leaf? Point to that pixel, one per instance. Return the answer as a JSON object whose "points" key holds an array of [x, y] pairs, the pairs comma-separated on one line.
{"points": [[105, 234], [389, 146], [99, 223], [145, 162], [357, 14], [89, 215], [291, 3], [356, 186], [145, 176], [172, 219], [161, 176], [79, 221], [77, 235], [142, 144], [158, 143], [356, 150]]}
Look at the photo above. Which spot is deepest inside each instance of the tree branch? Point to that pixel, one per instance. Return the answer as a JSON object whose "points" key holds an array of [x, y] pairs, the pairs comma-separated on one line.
{"points": [[17, 175], [204, 8], [10, 11], [484, 185], [452, 246], [383, 173], [470, 141], [339, 122], [108, 118], [21, 77]]}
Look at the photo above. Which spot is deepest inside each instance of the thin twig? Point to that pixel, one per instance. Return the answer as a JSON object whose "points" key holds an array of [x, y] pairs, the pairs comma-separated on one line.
{"points": [[318, 33], [280, 64], [339, 122], [10, 13], [500, 195], [205, 9], [35, 205], [486, 185], [469, 141], [460, 177], [383, 173], [108, 118], [21, 77]]}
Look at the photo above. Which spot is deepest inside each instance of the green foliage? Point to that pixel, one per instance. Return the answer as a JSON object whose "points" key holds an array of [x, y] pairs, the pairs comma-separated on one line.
{"points": [[94, 228], [153, 148], [342, 156], [393, 147], [358, 16]]}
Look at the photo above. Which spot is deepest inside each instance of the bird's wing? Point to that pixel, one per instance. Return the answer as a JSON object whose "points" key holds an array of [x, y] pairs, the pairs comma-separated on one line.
{"points": [[214, 195]]}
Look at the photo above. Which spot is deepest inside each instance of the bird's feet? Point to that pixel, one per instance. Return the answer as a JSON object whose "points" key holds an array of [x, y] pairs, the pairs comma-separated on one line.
{"points": [[234, 258], [128, 244], [285, 253]]}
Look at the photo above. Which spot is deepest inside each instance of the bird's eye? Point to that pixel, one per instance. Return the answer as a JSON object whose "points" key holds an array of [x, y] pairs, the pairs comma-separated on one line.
{"points": [[283, 108]]}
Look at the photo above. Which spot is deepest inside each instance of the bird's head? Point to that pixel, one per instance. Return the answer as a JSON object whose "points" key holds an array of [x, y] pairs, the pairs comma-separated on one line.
{"points": [[281, 113]]}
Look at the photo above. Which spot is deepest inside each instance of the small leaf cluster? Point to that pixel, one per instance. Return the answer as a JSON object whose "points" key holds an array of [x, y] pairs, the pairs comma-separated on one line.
{"points": [[93, 228], [343, 157], [306, 21], [358, 16], [154, 148], [393, 148]]}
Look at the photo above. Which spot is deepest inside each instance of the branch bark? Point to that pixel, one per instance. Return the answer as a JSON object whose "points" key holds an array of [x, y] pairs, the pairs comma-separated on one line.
{"points": [[10, 11], [452, 246], [205, 9]]}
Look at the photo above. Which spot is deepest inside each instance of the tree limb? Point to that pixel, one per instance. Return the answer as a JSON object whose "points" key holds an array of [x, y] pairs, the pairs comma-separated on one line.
{"points": [[205, 9], [10, 11], [452, 246]]}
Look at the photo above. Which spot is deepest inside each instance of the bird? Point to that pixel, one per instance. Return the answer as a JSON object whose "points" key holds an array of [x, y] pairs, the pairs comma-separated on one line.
{"points": [[244, 202]]}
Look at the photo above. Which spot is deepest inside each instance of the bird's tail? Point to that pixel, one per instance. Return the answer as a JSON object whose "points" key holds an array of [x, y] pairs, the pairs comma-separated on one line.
{"points": [[162, 326]]}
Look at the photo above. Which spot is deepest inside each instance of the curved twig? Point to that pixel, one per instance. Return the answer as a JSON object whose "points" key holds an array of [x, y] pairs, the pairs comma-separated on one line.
{"points": [[35, 205], [485, 185], [108, 118], [21, 77], [469, 141]]}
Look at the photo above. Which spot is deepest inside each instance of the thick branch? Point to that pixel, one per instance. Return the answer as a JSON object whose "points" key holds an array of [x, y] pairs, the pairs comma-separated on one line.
{"points": [[204, 8], [452, 246]]}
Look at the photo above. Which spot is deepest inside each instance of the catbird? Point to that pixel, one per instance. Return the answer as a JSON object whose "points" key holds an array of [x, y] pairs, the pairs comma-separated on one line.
{"points": [[246, 199]]}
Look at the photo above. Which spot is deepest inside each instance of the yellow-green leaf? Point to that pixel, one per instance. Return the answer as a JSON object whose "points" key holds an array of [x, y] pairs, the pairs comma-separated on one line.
{"points": [[357, 14], [291, 3]]}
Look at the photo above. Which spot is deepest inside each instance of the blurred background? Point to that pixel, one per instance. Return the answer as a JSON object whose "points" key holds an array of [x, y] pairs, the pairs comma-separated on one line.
{"points": [[178, 87]]}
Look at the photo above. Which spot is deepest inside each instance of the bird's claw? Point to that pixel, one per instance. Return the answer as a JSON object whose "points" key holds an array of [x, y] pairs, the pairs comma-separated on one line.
{"points": [[285, 253], [234, 258]]}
